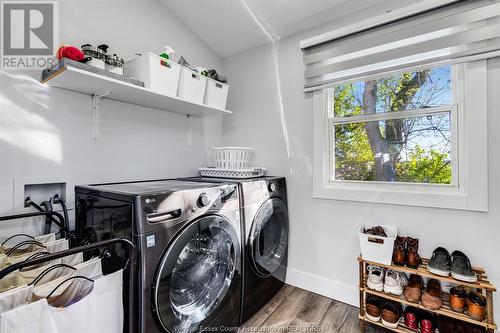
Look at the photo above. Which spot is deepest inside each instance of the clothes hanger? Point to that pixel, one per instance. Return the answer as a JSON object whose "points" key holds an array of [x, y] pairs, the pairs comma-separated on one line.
{"points": [[45, 272], [69, 279], [28, 242], [34, 256], [17, 235]]}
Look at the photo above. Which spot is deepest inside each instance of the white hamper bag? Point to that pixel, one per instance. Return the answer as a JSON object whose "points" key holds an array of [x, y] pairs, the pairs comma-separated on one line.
{"points": [[28, 318], [100, 311]]}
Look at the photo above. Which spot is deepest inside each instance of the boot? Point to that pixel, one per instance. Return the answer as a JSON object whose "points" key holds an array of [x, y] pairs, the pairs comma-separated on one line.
{"points": [[413, 259], [399, 254]]}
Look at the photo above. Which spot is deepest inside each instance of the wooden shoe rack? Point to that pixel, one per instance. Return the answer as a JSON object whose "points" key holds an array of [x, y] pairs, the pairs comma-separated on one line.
{"points": [[482, 285]]}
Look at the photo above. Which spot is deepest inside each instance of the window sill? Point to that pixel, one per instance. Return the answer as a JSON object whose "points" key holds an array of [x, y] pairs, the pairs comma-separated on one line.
{"points": [[435, 196]]}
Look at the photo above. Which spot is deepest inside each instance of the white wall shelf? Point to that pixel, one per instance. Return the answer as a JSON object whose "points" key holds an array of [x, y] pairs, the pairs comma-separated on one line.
{"points": [[99, 86]]}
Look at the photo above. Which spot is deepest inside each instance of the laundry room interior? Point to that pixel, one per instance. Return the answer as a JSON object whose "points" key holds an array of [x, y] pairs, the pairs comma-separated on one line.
{"points": [[249, 165]]}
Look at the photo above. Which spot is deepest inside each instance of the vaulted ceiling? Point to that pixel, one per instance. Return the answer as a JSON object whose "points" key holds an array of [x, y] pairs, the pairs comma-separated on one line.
{"points": [[228, 28]]}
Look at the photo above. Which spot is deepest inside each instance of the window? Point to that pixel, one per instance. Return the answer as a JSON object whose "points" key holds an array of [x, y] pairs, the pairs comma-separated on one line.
{"points": [[397, 128], [412, 137]]}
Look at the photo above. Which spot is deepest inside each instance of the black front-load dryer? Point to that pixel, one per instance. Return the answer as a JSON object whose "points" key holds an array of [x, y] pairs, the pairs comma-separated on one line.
{"points": [[188, 241], [265, 229]]}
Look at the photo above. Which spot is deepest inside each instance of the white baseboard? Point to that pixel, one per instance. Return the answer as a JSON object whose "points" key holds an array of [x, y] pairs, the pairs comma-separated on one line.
{"points": [[339, 291]]}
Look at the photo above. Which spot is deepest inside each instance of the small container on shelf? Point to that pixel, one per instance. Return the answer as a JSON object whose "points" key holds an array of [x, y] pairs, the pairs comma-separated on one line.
{"points": [[159, 74], [191, 85], [377, 248], [216, 94]]}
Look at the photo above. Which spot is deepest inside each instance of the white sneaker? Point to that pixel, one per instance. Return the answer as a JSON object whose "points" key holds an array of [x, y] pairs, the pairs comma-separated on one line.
{"points": [[395, 282], [375, 278]]}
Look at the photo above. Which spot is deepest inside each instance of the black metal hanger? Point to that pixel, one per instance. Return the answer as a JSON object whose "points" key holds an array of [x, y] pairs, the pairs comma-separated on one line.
{"points": [[45, 272], [56, 218], [33, 256], [69, 279], [17, 235], [28, 242]]}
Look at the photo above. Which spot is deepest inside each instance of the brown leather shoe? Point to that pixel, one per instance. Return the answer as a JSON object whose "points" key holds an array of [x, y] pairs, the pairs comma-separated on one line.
{"points": [[431, 298], [476, 305], [391, 314], [413, 259], [457, 298], [399, 254], [413, 291], [373, 308]]}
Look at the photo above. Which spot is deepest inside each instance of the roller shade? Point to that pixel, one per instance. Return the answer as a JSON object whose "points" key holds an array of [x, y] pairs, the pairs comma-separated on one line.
{"points": [[466, 31]]}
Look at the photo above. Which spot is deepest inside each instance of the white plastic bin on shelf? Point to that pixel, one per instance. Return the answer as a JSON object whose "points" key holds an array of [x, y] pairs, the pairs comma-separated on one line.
{"points": [[377, 248], [158, 74], [216, 94], [191, 85]]}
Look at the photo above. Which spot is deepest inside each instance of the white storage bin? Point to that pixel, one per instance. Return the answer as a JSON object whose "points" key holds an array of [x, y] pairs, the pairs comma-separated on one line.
{"points": [[158, 74], [192, 85], [216, 94], [377, 248], [232, 158]]}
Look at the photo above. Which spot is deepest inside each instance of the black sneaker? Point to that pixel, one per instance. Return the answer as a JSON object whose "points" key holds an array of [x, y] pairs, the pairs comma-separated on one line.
{"points": [[461, 268], [440, 262]]}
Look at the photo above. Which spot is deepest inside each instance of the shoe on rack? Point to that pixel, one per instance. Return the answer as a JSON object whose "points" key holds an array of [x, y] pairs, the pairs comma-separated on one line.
{"points": [[461, 268], [373, 308], [439, 263], [399, 253], [476, 305], [375, 231], [375, 279], [458, 297], [411, 317], [413, 290], [391, 314], [427, 323], [431, 298], [413, 259], [395, 282]]}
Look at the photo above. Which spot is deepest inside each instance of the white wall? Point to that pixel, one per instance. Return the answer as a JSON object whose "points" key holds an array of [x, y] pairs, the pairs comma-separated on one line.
{"points": [[47, 132], [323, 243]]}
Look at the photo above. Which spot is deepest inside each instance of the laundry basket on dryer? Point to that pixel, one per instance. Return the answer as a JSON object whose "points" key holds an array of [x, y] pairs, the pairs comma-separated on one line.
{"points": [[232, 158]]}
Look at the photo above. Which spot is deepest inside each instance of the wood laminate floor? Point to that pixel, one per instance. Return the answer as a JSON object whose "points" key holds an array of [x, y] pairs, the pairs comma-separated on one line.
{"points": [[296, 310]]}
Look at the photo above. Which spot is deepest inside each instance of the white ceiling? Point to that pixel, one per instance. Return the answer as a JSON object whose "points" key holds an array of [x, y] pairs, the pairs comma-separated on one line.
{"points": [[228, 28]]}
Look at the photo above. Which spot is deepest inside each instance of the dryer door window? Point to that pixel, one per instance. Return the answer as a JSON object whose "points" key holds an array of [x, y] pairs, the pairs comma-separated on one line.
{"points": [[197, 273], [269, 237]]}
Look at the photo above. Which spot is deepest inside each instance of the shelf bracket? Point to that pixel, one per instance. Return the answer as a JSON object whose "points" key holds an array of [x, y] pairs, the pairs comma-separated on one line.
{"points": [[189, 129], [96, 113]]}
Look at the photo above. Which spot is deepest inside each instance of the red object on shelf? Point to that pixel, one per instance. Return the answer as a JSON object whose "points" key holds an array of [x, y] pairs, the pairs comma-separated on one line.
{"points": [[411, 320], [426, 326], [70, 52]]}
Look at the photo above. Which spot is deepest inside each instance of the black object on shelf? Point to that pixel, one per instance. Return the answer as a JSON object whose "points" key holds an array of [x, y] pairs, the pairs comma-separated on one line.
{"points": [[127, 287]]}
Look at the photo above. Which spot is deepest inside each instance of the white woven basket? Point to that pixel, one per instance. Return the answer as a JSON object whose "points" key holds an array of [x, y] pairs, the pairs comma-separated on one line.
{"points": [[232, 158]]}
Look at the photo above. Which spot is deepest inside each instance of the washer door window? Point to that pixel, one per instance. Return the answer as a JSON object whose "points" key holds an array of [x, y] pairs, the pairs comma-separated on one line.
{"points": [[196, 275], [269, 237]]}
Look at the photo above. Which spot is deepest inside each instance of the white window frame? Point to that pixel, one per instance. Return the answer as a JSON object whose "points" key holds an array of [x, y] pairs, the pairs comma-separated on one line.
{"points": [[469, 188]]}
